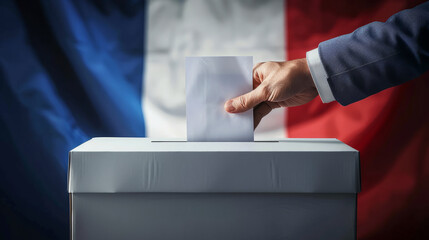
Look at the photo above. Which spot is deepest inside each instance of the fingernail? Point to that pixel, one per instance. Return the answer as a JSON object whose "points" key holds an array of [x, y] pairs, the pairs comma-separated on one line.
{"points": [[229, 107]]}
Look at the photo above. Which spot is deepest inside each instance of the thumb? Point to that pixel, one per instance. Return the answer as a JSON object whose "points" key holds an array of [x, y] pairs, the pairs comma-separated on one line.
{"points": [[246, 101]]}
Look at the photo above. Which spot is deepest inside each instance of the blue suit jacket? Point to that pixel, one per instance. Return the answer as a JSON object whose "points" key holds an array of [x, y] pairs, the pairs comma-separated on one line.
{"points": [[378, 55]]}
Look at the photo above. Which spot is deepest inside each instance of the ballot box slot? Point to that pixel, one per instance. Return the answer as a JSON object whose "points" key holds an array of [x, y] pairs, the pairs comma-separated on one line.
{"points": [[183, 141]]}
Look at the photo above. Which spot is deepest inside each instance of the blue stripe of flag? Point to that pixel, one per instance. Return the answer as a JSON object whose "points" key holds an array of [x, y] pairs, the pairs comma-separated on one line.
{"points": [[69, 71]]}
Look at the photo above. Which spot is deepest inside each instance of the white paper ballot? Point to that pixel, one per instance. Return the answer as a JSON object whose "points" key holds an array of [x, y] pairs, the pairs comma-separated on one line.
{"points": [[210, 82]]}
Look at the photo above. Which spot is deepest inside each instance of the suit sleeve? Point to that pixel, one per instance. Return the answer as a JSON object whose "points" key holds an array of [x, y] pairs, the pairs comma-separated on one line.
{"points": [[378, 55]]}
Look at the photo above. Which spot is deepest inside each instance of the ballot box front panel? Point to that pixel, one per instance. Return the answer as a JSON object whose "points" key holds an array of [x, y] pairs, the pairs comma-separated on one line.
{"points": [[208, 216]]}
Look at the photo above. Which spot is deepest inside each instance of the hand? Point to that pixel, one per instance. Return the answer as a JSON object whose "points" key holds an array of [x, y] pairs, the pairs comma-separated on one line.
{"points": [[275, 84]]}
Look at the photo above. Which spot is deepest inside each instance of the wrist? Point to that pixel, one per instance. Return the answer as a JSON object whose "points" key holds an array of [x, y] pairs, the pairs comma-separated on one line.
{"points": [[305, 73], [319, 76]]}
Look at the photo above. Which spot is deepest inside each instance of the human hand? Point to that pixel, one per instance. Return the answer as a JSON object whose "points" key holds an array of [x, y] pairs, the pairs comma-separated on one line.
{"points": [[275, 84]]}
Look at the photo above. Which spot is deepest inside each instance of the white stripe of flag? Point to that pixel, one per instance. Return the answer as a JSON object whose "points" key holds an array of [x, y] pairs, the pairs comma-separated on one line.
{"points": [[176, 29]]}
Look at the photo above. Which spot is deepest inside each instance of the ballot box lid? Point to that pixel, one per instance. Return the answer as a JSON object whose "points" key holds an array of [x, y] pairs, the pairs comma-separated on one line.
{"points": [[118, 165]]}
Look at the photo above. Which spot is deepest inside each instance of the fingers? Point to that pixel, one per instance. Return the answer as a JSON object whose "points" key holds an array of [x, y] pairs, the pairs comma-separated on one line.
{"points": [[249, 100], [259, 112], [256, 78], [246, 101]]}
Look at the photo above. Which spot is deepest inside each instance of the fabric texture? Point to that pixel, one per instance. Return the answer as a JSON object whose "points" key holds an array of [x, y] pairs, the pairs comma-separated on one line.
{"points": [[320, 78], [390, 129], [177, 29], [72, 70], [69, 71], [378, 55]]}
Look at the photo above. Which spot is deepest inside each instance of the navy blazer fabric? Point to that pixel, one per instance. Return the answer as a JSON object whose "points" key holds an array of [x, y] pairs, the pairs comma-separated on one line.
{"points": [[378, 55]]}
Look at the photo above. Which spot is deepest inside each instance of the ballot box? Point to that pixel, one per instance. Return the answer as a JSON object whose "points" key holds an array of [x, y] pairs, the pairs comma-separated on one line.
{"points": [[141, 188]]}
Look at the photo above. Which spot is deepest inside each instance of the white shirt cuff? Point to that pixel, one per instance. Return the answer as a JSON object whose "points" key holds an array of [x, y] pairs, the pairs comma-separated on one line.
{"points": [[319, 76]]}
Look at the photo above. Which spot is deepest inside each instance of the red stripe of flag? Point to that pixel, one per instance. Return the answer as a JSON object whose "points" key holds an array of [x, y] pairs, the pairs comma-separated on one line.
{"points": [[390, 129]]}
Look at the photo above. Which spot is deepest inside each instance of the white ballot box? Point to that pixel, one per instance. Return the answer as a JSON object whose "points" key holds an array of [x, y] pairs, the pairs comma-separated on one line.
{"points": [[138, 188]]}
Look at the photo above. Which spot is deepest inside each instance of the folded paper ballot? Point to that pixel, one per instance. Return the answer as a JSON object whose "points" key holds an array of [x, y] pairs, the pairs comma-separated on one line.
{"points": [[210, 82]]}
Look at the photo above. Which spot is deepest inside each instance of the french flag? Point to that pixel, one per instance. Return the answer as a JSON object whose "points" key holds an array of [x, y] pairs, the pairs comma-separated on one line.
{"points": [[73, 70]]}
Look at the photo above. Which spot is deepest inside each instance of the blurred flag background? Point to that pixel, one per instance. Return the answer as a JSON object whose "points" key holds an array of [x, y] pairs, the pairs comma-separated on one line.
{"points": [[72, 70]]}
